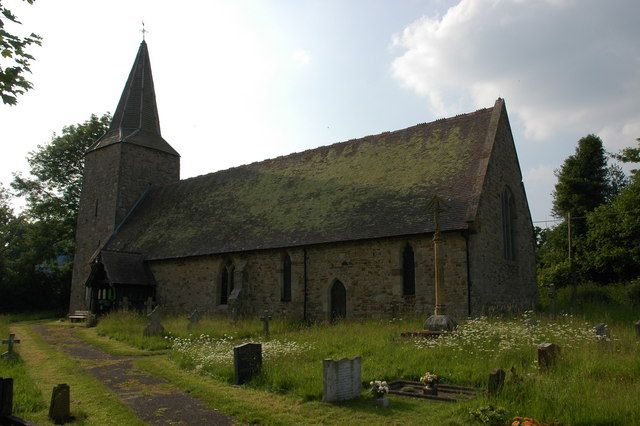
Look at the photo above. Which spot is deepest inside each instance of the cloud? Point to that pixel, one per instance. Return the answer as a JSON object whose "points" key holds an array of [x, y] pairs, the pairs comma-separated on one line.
{"points": [[561, 65], [301, 58]]}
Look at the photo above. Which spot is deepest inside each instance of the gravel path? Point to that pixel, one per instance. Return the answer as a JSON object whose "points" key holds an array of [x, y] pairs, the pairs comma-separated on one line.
{"points": [[154, 400]]}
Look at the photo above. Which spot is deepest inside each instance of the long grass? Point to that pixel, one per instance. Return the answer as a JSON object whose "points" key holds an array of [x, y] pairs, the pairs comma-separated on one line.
{"points": [[597, 381], [27, 398]]}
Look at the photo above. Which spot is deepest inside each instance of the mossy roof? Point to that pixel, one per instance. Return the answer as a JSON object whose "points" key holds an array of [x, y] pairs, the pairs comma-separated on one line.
{"points": [[373, 187]]}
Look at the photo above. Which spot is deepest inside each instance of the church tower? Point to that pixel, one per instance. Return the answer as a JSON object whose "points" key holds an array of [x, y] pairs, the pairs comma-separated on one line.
{"points": [[119, 168]]}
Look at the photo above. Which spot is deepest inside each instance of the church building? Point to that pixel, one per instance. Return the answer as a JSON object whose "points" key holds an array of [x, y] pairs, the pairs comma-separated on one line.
{"points": [[340, 231]]}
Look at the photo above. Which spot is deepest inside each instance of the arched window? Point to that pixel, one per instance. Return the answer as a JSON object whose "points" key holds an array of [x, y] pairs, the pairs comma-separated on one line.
{"points": [[286, 279], [508, 225], [224, 286], [408, 271]]}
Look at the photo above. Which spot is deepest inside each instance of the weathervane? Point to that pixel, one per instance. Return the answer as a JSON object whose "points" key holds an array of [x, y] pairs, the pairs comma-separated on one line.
{"points": [[143, 31]]}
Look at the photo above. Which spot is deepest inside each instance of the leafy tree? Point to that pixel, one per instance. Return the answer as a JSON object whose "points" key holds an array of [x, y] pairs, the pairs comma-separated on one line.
{"points": [[613, 239], [38, 244], [15, 61], [53, 188], [583, 180], [630, 155]]}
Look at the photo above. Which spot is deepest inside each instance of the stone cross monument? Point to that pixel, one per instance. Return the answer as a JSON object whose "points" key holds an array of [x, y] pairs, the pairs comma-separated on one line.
{"points": [[439, 321]]}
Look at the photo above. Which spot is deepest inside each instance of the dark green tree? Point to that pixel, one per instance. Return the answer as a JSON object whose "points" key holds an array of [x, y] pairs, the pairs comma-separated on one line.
{"points": [[583, 180], [586, 180], [38, 244], [613, 238], [15, 61], [53, 188], [630, 155]]}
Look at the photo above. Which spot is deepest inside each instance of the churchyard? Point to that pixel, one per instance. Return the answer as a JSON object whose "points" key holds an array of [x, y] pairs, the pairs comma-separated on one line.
{"points": [[595, 379]]}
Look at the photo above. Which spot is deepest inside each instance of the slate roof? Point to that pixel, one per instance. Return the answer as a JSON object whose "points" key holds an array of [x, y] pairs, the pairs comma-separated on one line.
{"points": [[136, 118], [376, 186], [125, 268]]}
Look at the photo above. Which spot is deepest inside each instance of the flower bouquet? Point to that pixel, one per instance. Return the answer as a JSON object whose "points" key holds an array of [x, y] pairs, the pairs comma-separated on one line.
{"points": [[380, 389], [430, 382]]}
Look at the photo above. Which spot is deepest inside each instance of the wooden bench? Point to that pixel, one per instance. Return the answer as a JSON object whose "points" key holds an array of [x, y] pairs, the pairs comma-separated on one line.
{"points": [[79, 316]]}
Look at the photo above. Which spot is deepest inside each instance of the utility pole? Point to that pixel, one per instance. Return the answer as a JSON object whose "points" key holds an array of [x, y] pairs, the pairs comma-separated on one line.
{"points": [[574, 285]]}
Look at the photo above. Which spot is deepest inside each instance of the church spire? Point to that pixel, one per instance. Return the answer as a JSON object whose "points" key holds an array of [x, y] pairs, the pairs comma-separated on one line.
{"points": [[137, 108], [136, 118]]}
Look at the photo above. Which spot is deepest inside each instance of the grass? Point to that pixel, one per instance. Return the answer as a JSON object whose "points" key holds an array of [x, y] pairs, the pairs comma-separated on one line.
{"points": [[596, 382], [27, 398], [41, 366]]}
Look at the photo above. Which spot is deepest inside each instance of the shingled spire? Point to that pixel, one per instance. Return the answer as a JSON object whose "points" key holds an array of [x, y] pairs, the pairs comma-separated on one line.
{"points": [[136, 118]]}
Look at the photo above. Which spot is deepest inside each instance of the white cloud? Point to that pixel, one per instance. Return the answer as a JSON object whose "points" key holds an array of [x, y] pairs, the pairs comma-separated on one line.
{"points": [[562, 65], [301, 58]]}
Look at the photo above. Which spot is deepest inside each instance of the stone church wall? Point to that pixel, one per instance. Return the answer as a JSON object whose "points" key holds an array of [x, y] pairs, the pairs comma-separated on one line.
{"points": [[498, 283], [96, 215], [371, 272]]}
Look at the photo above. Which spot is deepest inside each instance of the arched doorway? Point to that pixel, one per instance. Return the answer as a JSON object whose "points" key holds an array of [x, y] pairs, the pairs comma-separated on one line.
{"points": [[338, 301]]}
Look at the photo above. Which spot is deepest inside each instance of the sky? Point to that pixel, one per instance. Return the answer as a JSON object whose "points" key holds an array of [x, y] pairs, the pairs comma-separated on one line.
{"points": [[241, 81]]}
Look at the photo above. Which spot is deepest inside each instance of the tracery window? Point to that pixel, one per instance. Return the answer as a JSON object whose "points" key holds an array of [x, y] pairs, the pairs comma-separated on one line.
{"points": [[408, 271], [286, 279], [508, 225]]}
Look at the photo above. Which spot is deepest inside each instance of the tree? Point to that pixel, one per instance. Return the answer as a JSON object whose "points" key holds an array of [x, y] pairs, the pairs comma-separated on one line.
{"points": [[15, 59], [583, 182], [613, 239], [53, 189], [630, 155], [38, 244]]}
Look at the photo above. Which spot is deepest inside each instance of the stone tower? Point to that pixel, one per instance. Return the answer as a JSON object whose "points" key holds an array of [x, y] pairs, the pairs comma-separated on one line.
{"points": [[119, 169]]}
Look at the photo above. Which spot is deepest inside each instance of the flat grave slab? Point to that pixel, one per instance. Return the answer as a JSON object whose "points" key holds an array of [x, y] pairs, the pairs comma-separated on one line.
{"points": [[446, 393], [425, 334]]}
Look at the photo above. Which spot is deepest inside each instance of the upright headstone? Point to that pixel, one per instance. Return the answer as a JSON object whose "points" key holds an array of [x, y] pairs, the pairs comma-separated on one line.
{"points": [[551, 292], [125, 305], [148, 305], [60, 408], [265, 325], [496, 380], [601, 330], [6, 396], [548, 354], [194, 318], [341, 379], [247, 361], [10, 354], [154, 328], [638, 329]]}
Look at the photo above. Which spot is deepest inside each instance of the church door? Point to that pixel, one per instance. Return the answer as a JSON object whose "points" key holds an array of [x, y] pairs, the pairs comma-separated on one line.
{"points": [[338, 301]]}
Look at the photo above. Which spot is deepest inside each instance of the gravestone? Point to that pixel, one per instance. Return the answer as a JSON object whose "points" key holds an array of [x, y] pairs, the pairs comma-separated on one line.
{"points": [[10, 354], [265, 325], [125, 305], [6, 397], [148, 305], [194, 318], [601, 330], [496, 380], [638, 329], [551, 291], [247, 361], [154, 328], [341, 379], [548, 354], [60, 408]]}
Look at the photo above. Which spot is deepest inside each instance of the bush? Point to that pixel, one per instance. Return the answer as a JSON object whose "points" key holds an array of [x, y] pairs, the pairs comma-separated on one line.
{"points": [[490, 415], [633, 292]]}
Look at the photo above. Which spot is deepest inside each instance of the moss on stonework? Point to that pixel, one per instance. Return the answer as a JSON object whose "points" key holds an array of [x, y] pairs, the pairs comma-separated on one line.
{"points": [[350, 189]]}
